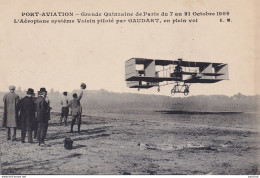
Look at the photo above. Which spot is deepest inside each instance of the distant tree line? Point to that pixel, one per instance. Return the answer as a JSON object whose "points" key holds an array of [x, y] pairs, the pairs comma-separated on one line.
{"points": [[110, 101]]}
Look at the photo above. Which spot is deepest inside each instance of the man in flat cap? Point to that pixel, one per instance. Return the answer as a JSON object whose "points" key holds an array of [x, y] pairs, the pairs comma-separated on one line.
{"points": [[42, 115], [64, 109], [10, 116], [27, 113]]}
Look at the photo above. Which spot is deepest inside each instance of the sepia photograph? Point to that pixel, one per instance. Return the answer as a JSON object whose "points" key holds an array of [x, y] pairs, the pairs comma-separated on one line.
{"points": [[142, 87]]}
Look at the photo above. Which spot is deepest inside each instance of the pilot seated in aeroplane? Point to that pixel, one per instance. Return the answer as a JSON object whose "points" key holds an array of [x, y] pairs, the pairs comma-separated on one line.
{"points": [[177, 72]]}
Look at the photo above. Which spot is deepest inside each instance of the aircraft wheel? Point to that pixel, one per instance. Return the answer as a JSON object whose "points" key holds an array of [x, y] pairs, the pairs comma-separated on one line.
{"points": [[173, 91], [158, 89], [186, 91], [138, 89]]}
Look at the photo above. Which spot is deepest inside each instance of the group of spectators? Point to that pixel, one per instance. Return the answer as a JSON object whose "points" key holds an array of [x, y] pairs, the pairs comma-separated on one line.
{"points": [[31, 114]]}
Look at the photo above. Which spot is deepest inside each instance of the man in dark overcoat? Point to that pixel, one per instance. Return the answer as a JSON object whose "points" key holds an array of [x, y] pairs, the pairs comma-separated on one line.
{"points": [[35, 123], [42, 116], [10, 115], [44, 91], [27, 114]]}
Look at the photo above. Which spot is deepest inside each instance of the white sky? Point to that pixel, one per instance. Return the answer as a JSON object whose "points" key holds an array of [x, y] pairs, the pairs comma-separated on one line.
{"points": [[64, 55]]}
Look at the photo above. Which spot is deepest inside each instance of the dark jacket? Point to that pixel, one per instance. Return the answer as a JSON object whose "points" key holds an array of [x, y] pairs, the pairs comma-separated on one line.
{"points": [[27, 112], [42, 109], [75, 105]]}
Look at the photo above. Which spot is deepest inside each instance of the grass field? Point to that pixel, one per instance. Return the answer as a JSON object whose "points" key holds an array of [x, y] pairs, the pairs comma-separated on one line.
{"points": [[142, 142]]}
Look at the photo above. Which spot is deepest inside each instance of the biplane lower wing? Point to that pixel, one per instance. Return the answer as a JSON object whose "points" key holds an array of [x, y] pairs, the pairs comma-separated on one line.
{"points": [[152, 79], [195, 73], [212, 74], [162, 79], [196, 80], [141, 86]]}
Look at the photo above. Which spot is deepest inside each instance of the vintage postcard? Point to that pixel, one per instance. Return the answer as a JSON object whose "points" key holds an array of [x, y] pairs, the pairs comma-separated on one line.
{"points": [[135, 87]]}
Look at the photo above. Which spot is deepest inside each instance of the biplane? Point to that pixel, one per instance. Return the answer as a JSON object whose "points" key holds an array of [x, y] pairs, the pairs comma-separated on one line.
{"points": [[143, 73]]}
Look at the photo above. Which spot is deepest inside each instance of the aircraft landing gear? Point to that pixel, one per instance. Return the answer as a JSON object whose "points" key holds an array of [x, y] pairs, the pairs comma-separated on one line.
{"points": [[184, 88], [173, 90], [186, 91], [158, 89]]}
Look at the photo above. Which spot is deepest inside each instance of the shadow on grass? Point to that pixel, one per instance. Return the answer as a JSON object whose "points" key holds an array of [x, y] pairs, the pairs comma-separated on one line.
{"points": [[195, 112], [54, 136]]}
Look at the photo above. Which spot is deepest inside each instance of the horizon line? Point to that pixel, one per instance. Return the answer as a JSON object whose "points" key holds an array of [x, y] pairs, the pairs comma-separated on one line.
{"points": [[54, 91]]}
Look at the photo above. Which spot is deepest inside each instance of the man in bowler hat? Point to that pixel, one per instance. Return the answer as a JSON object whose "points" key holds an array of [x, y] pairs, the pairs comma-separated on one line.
{"points": [[27, 113], [10, 116], [42, 115]]}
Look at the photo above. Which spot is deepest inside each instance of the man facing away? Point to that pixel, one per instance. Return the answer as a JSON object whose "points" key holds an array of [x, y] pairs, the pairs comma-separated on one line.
{"points": [[10, 116], [35, 123], [64, 108], [42, 115], [27, 113], [76, 110]]}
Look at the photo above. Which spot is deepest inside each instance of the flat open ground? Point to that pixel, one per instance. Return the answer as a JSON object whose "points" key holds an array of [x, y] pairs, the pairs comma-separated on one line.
{"points": [[142, 142]]}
